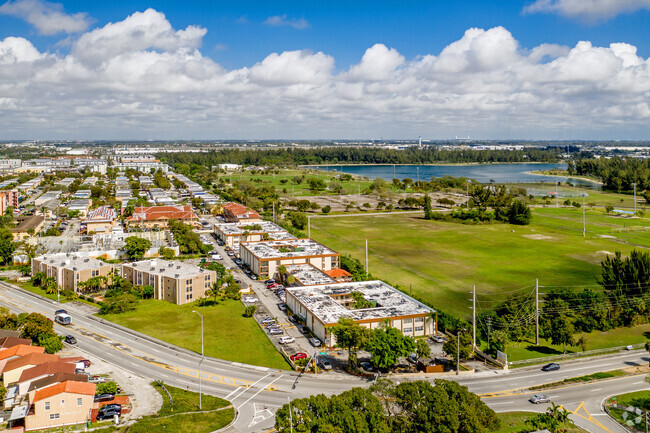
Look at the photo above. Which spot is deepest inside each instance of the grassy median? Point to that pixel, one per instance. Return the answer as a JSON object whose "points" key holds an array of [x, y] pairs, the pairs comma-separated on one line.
{"points": [[228, 335]]}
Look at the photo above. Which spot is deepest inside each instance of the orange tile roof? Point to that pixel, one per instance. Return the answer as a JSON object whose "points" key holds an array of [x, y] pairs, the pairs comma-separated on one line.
{"points": [[69, 386], [239, 210], [29, 359], [154, 213], [334, 273], [47, 368], [20, 350]]}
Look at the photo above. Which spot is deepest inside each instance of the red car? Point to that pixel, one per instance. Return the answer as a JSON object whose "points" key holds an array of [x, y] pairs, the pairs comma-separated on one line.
{"points": [[298, 355]]}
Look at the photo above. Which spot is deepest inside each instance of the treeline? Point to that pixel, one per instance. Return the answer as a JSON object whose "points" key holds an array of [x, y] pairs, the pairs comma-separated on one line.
{"points": [[360, 155], [617, 174]]}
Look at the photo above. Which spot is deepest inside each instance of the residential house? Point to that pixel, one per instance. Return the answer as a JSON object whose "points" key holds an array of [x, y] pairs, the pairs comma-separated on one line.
{"points": [[159, 216], [66, 403], [12, 370], [27, 227], [236, 213]]}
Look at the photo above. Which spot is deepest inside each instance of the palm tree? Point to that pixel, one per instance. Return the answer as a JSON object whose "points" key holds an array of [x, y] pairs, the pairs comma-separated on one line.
{"points": [[50, 285], [38, 279]]}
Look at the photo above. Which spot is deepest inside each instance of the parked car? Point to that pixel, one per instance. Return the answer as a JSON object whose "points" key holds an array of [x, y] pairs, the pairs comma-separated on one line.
{"points": [[293, 319], [96, 379], [253, 277], [551, 367], [438, 339], [299, 355], [216, 257], [250, 299], [367, 366], [412, 358], [104, 397], [70, 339], [268, 320], [314, 342], [282, 307], [86, 362], [268, 282], [276, 331], [302, 329], [272, 325], [111, 406], [108, 414], [539, 398], [286, 340], [325, 364]]}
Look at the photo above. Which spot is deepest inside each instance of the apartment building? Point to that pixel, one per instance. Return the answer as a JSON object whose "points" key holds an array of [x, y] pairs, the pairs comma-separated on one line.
{"points": [[265, 258], [234, 233], [70, 269], [100, 220], [8, 199], [159, 216], [322, 306], [173, 281]]}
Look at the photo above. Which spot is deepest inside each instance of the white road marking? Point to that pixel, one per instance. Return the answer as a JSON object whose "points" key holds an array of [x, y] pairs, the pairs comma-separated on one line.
{"points": [[253, 385], [261, 389], [503, 402], [597, 389]]}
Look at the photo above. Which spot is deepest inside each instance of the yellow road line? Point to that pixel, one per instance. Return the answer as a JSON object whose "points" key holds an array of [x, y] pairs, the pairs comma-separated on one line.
{"points": [[589, 417], [179, 370]]}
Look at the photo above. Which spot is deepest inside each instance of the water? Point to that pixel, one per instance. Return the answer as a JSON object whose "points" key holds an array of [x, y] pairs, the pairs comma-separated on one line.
{"points": [[484, 173]]}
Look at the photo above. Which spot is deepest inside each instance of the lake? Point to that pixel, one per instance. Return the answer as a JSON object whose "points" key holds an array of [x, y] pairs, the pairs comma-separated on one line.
{"points": [[484, 173]]}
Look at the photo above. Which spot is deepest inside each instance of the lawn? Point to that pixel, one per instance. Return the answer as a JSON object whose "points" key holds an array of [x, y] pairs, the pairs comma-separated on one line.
{"points": [[638, 399], [228, 335], [441, 261], [515, 422]]}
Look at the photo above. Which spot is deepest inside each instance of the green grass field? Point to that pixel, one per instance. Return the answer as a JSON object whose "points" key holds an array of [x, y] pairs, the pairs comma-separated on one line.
{"points": [[443, 260], [515, 422], [228, 335]]}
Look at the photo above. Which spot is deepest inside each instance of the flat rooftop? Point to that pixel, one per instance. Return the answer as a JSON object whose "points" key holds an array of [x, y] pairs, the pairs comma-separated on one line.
{"points": [[278, 249], [321, 301], [166, 268], [74, 262], [309, 275], [237, 229]]}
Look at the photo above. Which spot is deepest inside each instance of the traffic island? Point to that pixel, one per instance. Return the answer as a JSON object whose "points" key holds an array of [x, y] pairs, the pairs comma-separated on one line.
{"points": [[631, 410]]}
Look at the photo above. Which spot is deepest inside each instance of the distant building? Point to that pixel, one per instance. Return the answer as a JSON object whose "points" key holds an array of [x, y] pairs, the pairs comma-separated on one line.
{"points": [[8, 199], [322, 306], [308, 275], [8, 165], [28, 226], [100, 220], [173, 281], [265, 258], [236, 213], [233, 233], [70, 269], [81, 205], [159, 216], [230, 167], [45, 197]]}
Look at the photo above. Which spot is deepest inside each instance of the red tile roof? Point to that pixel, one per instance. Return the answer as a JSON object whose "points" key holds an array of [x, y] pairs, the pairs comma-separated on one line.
{"points": [[337, 273], [13, 341], [47, 368], [69, 386], [57, 378], [161, 213], [29, 359], [20, 350], [240, 212]]}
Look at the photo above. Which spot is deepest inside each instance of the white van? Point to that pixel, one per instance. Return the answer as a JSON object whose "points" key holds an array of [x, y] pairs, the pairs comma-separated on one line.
{"points": [[286, 340]]}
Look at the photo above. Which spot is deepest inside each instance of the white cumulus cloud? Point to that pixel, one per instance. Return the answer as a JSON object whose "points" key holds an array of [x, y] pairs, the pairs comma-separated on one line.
{"points": [[142, 78], [48, 18], [587, 10]]}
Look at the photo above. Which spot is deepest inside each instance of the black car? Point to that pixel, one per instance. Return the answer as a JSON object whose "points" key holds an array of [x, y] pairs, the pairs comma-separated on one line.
{"points": [[551, 367], [112, 406], [104, 397], [108, 414], [70, 339]]}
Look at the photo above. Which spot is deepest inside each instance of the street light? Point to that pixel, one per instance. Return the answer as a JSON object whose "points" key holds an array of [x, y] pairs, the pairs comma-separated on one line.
{"points": [[202, 355], [458, 351]]}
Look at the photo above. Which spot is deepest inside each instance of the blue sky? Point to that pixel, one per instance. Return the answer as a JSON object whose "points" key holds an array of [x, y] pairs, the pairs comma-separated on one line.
{"points": [[320, 46]]}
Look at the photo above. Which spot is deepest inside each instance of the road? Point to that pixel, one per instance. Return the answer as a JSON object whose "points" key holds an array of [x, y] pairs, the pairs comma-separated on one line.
{"points": [[257, 392]]}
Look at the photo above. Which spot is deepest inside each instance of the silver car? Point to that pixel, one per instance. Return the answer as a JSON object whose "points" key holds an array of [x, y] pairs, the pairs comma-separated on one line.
{"points": [[539, 398]]}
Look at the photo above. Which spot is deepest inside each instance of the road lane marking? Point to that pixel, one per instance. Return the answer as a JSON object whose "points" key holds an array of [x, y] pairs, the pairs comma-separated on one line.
{"points": [[503, 402], [250, 387], [178, 370], [262, 389], [597, 389], [589, 417]]}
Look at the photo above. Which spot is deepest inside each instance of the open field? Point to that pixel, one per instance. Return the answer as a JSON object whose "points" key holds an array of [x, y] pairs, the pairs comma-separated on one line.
{"points": [[228, 335], [442, 260]]}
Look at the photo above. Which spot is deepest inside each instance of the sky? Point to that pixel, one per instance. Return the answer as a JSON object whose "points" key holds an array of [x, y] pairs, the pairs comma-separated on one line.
{"points": [[211, 69]]}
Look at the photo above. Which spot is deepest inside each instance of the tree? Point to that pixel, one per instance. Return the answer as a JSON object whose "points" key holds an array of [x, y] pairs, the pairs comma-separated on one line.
{"points": [[561, 330], [422, 349], [428, 211], [326, 209], [50, 285], [519, 213], [387, 345], [249, 310], [36, 325], [136, 247], [350, 335], [451, 347], [166, 253], [298, 220], [51, 343], [118, 304], [7, 245]]}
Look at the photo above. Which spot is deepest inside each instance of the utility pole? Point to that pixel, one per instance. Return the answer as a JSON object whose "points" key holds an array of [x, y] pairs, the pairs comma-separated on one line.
{"points": [[309, 226], [634, 198], [536, 312], [489, 329], [202, 355], [458, 353], [474, 316], [556, 194], [366, 256], [290, 415], [467, 194], [583, 215]]}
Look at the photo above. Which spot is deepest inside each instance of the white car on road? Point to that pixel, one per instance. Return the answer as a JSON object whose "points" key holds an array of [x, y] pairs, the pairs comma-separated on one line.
{"points": [[286, 340], [250, 299]]}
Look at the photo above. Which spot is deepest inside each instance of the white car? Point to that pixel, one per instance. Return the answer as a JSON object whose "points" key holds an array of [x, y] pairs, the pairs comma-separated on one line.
{"points": [[250, 299], [216, 257], [286, 340]]}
